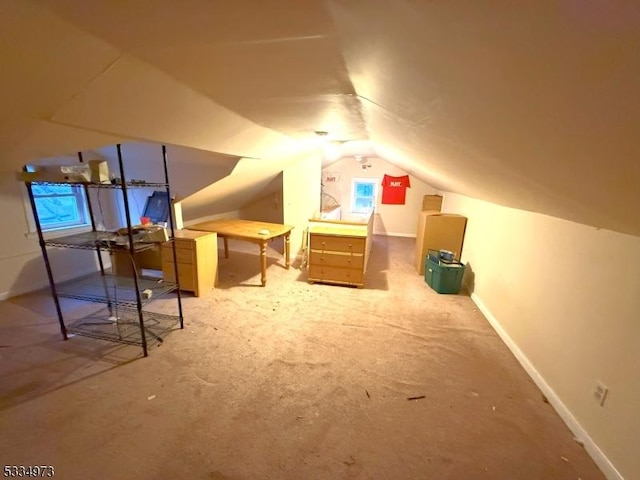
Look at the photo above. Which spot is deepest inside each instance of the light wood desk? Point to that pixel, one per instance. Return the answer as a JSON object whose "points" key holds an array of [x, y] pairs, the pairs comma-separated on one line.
{"points": [[247, 230]]}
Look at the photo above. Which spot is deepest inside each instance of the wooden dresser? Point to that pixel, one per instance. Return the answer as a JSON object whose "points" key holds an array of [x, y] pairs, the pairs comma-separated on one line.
{"points": [[197, 255], [337, 255]]}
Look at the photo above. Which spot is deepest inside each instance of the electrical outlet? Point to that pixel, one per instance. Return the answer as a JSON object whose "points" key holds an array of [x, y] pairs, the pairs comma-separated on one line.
{"points": [[600, 393]]}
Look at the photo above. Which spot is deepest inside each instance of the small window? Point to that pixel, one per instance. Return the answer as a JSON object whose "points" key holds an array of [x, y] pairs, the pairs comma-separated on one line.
{"points": [[363, 194], [59, 206]]}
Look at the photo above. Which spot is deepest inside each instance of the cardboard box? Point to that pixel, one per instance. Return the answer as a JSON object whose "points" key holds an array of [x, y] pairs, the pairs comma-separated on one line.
{"points": [[432, 203], [99, 171], [438, 231]]}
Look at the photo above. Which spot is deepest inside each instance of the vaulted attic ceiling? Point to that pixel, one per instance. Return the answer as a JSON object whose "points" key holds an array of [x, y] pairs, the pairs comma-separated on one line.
{"points": [[533, 105]]}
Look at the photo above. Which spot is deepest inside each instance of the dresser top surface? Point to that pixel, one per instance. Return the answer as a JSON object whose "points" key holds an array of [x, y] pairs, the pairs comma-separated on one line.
{"points": [[191, 234]]}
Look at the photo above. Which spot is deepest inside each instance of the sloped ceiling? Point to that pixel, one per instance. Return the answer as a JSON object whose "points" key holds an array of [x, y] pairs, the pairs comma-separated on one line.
{"points": [[190, 170], [533, 105]]}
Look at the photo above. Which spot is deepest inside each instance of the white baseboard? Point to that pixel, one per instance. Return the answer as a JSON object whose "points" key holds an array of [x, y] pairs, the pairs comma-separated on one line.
{"points": [[598, 456], [21, 291], [14, 293], [45, 282]]}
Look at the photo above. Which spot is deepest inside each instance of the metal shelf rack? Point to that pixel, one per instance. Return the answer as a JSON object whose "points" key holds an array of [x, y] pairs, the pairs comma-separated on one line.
{"points": [[122, 325], [101, 240], [117, 290], [125, 317]]}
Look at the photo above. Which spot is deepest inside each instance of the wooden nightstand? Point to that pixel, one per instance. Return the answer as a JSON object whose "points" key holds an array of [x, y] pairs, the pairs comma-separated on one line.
{"points": [[197, 257]]}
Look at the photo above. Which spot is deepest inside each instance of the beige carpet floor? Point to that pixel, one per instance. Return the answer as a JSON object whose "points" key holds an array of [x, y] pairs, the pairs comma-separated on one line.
{"points": [[289, 381]]}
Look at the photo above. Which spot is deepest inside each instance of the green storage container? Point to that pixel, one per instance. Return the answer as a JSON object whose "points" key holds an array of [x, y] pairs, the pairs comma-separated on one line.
{"points": [[443, 277]]}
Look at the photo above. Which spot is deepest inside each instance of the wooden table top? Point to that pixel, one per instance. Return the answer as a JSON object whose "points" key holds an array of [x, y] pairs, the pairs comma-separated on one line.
{"points": [[242, 229]]}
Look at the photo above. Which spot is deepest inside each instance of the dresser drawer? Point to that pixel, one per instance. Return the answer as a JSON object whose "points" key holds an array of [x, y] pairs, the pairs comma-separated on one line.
{"points": [[338, 244], [197, 260], [184, 255], [330, 259], [321, 273], [185, 275], [185, 243]]}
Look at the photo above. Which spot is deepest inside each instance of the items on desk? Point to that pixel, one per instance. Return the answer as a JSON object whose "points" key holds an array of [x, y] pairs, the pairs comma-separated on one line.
{"points": [[143, 233], [155, 233], [147, 257]]}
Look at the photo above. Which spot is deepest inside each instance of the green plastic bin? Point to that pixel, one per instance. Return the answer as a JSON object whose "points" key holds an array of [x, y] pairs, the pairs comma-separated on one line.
{"points": [[443, 277]]}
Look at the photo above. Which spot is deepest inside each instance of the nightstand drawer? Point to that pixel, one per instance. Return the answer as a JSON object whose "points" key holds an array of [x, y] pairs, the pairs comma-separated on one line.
{"points": [[335, 274], [335, 243], [185, 243], [184, 255], [197, 257], [185, 275], [330, 259]]}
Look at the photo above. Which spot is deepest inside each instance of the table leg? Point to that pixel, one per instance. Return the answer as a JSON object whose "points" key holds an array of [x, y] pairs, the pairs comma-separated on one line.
{"points": [[226, 247], [263, 262], [287, 250]]}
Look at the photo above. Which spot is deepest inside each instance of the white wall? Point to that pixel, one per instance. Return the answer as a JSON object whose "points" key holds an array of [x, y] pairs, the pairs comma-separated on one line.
{"points": [[401, 220], [267, 206], [566, 297], [21, 261], [301, 196]]}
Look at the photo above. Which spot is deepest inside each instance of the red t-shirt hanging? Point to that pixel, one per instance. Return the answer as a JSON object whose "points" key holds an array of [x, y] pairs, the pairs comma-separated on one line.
{"points": [[394, 189]]}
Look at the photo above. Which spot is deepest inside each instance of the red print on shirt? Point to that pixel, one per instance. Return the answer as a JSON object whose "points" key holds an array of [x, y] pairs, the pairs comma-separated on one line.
{"points": [[394, 189]]}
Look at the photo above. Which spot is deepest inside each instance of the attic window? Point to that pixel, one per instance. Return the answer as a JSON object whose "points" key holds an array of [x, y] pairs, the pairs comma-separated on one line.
{"points": [[364, 192], [59, 206]]}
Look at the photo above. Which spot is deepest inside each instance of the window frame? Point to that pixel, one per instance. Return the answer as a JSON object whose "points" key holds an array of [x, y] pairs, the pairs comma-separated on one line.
{"points": [[371, 181], [82, 225]]}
